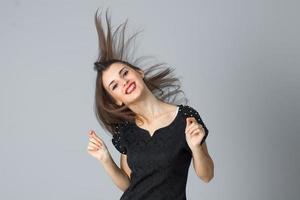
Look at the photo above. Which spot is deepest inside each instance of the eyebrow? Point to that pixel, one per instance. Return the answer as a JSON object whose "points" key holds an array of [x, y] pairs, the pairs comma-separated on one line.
{"points": [[119, 75]]}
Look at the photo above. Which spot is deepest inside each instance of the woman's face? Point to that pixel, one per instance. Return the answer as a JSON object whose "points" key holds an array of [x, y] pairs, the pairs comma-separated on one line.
{"points": [[123, 83]]}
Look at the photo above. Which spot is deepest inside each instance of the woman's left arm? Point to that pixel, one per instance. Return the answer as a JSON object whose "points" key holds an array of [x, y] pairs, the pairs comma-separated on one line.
{"points": [[196, 134], [202, 162]]}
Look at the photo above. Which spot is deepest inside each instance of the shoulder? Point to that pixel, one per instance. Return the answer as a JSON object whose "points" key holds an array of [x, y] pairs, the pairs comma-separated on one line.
{"points": [[119, 128], [190, 111], [118, 136]]}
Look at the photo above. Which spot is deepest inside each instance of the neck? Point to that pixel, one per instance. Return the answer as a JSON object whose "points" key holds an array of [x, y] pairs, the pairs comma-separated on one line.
{"points": [[149, 107]]}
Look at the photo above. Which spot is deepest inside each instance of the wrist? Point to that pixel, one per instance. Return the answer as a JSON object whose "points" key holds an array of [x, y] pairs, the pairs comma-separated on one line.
{"points": [[197, 148], [106, 159]]}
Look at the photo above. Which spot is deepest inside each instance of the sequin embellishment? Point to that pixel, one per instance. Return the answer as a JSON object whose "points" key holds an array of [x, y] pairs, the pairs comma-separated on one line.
{"points": [[116, 140]]}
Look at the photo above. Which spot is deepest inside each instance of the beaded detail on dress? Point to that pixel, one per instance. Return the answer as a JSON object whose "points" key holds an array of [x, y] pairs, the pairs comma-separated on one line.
{"points": [[117, 139]]}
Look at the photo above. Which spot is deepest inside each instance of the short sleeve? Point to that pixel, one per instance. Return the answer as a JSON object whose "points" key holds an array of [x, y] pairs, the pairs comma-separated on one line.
{"points": [[117, 140], [191, 112]]}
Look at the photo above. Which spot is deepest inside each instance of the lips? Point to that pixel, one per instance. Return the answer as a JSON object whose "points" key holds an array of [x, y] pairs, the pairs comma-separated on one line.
{"points": [[133, 83]]}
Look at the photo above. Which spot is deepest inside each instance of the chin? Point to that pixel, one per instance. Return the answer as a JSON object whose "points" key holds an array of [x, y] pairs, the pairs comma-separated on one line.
{"points": [[135, 96]]}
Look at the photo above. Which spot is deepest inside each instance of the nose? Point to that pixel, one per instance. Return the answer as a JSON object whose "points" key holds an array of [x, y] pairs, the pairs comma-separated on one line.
{"points": [[125, 83]]}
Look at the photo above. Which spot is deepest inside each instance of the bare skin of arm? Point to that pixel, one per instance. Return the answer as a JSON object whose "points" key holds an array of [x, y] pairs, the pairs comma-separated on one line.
{"points": [[203, 163], [118, 174], [124, 165]]}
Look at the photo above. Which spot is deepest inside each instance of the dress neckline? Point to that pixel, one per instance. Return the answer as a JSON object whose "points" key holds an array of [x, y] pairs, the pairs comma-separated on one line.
{"points": [[161, 128]]}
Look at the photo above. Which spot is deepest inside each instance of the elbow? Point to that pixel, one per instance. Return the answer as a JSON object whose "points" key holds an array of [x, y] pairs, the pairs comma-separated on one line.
{"points": [[125, 187], [210, 174], [207, 179], [127, 181]]}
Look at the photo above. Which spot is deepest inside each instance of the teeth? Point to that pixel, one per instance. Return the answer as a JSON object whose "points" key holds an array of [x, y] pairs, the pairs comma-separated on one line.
{"points": [[131, 88]]}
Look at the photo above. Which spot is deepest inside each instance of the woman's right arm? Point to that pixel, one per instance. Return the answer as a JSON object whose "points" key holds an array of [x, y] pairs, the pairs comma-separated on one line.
{"points": [[118, 175], [97, 148]]}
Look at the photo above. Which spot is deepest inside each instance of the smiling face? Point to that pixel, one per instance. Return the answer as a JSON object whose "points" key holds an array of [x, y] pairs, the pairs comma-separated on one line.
{"points": [[123, 83]]}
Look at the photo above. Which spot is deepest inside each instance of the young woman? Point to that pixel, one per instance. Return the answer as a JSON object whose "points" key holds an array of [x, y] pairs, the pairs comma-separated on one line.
{"points": [[156, 137]]}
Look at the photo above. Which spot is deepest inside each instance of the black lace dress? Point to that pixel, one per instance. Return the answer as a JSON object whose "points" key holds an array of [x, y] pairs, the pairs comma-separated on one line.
{"points": [[159, 163]]}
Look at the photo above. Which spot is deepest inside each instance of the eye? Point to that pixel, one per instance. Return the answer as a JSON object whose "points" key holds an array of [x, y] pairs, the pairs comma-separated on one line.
{"points": [[114, 86]]}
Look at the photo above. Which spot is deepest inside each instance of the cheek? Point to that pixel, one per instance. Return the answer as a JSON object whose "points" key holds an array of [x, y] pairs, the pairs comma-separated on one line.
{"points": [[113, 94], [141, 83], [118, 94]]}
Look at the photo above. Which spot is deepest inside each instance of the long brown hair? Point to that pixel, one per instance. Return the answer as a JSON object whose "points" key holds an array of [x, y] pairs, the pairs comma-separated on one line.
{"points": [[162, 84]]}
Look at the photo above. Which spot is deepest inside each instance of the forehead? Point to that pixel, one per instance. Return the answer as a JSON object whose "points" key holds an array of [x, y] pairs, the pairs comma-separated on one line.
{"points": [[112, 72]]}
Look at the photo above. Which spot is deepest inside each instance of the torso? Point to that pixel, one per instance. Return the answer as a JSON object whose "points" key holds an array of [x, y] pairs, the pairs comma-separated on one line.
{"points": [[159, 160], [160, 163]]}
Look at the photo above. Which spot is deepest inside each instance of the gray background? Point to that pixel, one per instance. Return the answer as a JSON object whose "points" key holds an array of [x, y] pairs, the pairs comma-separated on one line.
{"points": [[239, 63]]}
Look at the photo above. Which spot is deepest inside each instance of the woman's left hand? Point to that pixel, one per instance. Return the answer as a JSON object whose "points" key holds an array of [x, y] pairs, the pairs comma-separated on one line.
{"points": [[194, 132]]}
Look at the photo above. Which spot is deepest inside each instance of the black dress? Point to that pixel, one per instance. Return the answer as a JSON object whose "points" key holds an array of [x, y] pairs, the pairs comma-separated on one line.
{"points": [[159, 163]]}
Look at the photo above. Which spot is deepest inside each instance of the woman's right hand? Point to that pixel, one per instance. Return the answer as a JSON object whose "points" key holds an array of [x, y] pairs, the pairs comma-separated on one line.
{"points": [[97, 148]]}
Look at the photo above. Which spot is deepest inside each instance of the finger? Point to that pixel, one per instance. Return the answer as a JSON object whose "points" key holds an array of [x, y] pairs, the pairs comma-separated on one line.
{"points": [[95, 141], [96, 137], [191, 127], [201, 128], [90, 133], [190, 121], [195, 131], [93, 145], [92, 149]]}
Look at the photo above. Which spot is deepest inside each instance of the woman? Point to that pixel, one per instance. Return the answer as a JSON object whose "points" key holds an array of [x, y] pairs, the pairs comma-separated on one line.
{"points": [[156, 138]]}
